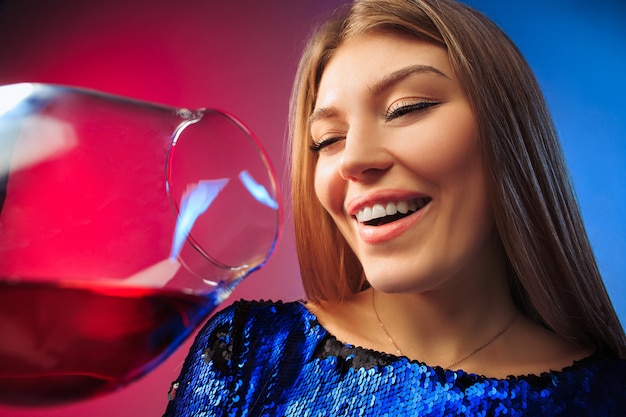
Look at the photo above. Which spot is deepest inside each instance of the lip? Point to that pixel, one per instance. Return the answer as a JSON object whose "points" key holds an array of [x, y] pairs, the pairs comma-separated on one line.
{"points": [[386, 232], [380, 197]]}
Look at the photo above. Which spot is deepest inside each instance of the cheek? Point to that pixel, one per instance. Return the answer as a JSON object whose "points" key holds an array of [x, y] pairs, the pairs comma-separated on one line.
{"points": [[454, 165], [442, 151], [328, 187], [458, 149], [468, 205], [457, 155]]}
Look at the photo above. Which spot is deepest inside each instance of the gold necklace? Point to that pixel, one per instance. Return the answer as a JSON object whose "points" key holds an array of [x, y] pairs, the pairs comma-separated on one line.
{"points": [[472, 353]]}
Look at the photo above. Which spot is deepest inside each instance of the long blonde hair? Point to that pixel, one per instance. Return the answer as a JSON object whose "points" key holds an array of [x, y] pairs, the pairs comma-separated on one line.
{"points": [[553, 273]]}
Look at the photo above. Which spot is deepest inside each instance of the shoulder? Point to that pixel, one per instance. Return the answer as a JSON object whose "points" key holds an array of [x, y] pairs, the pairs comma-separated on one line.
{"points": [[596, 385], [258, 316], [237, 349], [605, 374], [250, 331]]}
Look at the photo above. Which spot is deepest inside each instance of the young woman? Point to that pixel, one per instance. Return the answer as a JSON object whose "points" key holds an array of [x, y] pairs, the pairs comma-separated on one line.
{"points": [[445, 262]]}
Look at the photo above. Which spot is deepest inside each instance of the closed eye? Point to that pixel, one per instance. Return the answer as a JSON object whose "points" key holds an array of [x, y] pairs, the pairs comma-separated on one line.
{"points": [[402, 108], [318, 146]]}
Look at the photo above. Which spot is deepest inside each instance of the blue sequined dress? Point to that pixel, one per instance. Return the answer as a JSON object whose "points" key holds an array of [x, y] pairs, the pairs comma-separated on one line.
{"points": [[275, 359]]}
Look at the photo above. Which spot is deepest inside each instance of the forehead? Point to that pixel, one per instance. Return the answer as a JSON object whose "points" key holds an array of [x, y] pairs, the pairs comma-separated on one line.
{"points": [[365, 59]]}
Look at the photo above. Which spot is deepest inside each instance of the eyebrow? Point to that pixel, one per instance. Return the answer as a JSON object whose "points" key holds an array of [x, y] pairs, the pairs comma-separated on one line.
{"points": [[389, 79], [379, 86], [322, 113]]}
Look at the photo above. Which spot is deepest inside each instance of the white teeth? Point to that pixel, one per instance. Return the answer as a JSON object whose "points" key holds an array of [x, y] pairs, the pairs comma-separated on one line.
{"points": [[366, 214], [378, 210]]}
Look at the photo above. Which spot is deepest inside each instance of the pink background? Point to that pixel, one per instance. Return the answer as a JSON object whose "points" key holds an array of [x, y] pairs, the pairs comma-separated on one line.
{"points": [[239, 56]]}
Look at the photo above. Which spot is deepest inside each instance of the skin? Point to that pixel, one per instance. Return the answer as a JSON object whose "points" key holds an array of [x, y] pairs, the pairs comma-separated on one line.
{"points": [[398, 128]]}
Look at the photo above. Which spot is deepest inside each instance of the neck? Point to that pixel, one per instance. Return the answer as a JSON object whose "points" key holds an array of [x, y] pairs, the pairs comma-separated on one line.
{"points": [[441, 327]]}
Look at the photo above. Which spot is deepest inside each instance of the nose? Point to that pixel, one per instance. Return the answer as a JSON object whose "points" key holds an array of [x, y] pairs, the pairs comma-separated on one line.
{"points": [[364, 156]]}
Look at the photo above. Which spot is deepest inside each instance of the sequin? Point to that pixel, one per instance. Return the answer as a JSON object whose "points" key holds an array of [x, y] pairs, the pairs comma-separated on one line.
{"points": [[275, 359]]}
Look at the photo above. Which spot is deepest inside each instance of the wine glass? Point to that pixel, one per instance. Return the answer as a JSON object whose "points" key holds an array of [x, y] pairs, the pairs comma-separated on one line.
{"points": [[123, 225]]}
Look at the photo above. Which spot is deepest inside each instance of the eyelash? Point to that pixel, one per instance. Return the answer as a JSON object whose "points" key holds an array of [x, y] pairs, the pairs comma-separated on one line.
{"points": [[394, 112], [401, 109], [318, 146]]}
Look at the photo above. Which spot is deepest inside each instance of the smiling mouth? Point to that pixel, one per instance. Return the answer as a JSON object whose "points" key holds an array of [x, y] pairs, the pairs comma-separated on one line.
{"points": [[380, 214]]}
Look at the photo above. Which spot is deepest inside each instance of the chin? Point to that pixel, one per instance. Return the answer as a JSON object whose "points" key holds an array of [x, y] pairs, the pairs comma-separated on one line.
{"points": [[398, 283]]}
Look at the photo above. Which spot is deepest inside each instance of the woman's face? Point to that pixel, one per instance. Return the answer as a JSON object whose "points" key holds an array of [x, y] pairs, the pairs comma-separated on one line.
{"points": [[399, 168]]}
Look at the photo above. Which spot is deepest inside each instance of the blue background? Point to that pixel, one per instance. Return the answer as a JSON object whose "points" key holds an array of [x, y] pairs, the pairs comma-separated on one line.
{"points": [[578, 52]]}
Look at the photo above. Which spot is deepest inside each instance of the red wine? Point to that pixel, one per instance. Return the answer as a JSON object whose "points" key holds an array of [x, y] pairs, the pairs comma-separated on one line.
{"points": [[62, 343]]}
